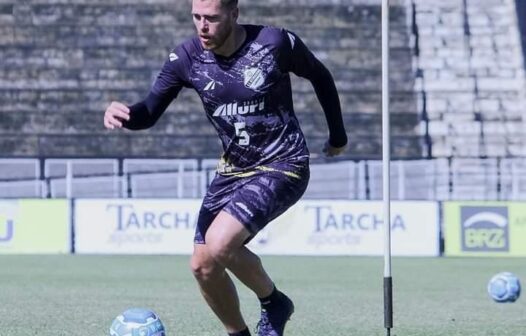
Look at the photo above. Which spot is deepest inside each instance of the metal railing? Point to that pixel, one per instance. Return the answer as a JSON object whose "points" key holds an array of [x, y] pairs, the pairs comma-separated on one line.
{"points": [[434, 179]]}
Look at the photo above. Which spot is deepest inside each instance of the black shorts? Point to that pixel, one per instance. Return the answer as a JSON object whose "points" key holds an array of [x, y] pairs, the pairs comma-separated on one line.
{"points": [[254, 198]]}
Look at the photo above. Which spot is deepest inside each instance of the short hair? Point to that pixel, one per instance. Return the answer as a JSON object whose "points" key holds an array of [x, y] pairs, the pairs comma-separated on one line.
{"points": [[229, 3]]}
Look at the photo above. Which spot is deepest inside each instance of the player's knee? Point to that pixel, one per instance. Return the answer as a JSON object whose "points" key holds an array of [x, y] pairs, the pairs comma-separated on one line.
{"points": [[221, 252], [204, 268]]}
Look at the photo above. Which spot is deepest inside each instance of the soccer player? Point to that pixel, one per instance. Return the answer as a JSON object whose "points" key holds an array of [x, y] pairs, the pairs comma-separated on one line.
{"points": [[241, 72]]}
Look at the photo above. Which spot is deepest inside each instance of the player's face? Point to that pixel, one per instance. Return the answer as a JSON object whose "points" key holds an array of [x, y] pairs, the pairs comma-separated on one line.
{"points": [[213, 22]]}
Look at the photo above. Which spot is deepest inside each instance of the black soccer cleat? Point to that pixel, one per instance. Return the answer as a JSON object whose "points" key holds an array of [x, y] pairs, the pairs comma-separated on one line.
{"points": [[274, 318]]}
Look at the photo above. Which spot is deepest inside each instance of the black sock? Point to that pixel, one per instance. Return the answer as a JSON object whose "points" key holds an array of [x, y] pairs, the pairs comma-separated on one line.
{"points": [[272, 298], [245, 332]]}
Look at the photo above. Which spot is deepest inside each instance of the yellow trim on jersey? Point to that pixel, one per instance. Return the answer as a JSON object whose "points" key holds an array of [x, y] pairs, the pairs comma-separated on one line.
{"points": [[224, 169], [239, 174], [261, 168], [288, 173]]}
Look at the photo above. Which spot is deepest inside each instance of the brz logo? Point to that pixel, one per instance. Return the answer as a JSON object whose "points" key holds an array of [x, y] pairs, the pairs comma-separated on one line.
{"points": [[7, 229], [485, 228], [254, 78]]}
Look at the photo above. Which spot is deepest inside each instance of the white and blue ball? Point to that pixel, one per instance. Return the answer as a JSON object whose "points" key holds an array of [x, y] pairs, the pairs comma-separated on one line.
{"points": [[504, 287], [137, 322]]}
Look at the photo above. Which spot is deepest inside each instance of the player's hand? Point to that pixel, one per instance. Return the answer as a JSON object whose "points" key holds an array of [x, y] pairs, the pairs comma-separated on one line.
{"points": [[115, 114], [331, 151]]}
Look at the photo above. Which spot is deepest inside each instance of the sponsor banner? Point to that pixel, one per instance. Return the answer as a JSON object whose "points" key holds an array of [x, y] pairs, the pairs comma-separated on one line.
{"points": [[324, 227], [125, 226], [309, 228], [485, 228], [34, 226]]}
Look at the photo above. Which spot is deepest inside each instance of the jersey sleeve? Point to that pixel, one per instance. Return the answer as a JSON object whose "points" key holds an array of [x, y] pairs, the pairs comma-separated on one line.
{"points": [[171, 79], [295, 57], [173, 75]]}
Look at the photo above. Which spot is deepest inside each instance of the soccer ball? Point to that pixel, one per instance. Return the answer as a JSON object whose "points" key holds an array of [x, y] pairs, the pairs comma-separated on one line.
{"points": [[504, 287], [137, 322]]}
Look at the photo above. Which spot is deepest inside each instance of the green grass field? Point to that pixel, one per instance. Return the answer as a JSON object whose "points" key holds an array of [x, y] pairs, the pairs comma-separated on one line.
{"points": [[80, 295]]}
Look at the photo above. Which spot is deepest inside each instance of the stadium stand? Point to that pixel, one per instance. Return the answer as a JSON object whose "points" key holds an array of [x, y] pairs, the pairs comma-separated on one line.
{"points": [[471, 77], [62, 63], [458, 97]]}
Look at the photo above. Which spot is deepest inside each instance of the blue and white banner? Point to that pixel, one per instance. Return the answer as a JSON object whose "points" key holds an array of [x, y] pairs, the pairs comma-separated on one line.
{"points": [[125, 226], [351, 228], [321, 227]]}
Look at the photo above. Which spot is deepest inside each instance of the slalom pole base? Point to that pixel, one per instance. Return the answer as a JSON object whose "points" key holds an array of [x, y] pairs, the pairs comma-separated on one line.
{"points": [[388, 303]]}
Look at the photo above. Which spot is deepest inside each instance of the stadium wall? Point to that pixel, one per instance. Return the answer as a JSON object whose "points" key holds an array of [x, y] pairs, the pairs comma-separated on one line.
{"points": [[457, 76], [64, 61], [471, 79]]}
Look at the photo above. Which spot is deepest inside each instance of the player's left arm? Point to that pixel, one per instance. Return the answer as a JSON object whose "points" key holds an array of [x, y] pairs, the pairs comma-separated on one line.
{"points": [[302, 62]]}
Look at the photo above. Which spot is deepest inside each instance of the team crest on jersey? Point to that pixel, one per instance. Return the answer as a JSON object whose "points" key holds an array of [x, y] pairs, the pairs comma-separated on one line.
{"points": [[254, 78]]}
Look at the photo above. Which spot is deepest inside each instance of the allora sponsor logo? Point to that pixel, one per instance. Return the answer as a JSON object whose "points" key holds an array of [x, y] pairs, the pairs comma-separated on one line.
{"points": [[484, 228], [247, 107]]}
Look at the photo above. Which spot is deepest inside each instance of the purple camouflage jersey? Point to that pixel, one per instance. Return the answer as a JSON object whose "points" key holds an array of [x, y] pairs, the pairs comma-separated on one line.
{"points": [[247, 96]]}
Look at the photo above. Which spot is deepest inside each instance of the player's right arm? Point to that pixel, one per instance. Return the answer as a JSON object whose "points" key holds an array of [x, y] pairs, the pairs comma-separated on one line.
{"points": [[144, 114], [141, 115]]}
